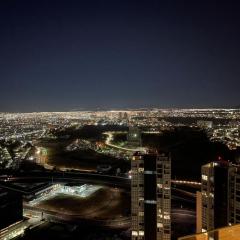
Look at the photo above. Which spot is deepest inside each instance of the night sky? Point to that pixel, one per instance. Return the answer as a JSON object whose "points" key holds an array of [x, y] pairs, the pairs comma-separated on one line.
{"points": [[72, 55]]}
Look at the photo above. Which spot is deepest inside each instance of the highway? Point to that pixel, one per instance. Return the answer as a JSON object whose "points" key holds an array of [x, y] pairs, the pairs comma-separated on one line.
{"points": [[60, 217], [180, 213], [86, 177], [186, 182], [110, 138]]}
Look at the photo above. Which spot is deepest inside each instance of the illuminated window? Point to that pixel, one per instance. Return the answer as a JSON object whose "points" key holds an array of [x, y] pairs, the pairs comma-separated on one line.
{"points": [[211, 195], [134, 233], [141, 233], [141, 214], [204, 177], [166, 217], [159, 225]]}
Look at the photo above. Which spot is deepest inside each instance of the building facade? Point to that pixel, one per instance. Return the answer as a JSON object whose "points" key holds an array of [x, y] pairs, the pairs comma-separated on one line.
{"points": [[134, 137], [226, 233], [220, 195], [151, 196], [11, 208]]}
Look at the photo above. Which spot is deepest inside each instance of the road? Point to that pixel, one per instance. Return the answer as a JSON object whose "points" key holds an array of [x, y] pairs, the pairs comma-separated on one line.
{"points": [[109, 180], [183, 213], [60, 217], [110, 138], [85, 177]]}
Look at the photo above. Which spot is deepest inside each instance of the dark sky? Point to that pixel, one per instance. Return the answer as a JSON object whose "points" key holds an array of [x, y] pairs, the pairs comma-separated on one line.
{"points": [[62, 54]]}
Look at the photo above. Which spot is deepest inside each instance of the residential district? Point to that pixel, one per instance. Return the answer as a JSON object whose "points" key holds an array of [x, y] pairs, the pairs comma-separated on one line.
{"points": [[153, 174]]}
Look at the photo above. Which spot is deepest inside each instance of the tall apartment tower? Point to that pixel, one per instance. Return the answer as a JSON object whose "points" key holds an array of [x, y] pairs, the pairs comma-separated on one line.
{"points": [[11, 209], [234, 196], [220, 195], [134, 137], [151, 196]]}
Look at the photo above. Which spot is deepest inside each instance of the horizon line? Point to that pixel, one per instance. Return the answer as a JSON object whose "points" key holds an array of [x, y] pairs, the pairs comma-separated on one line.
{"points": [[125, 109]]}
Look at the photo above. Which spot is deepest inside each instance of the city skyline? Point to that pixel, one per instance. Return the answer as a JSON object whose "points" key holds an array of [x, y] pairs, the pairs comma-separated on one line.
{"points": [[119, 120], [138, 173], [127, 54]]}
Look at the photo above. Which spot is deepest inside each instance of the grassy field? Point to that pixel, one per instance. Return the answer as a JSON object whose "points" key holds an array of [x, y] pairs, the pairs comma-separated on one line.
{"points": [[79, 159]]}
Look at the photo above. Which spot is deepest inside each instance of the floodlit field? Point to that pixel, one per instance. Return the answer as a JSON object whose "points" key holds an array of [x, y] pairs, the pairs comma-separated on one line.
{"points": [[82, 191], [105, 203]]}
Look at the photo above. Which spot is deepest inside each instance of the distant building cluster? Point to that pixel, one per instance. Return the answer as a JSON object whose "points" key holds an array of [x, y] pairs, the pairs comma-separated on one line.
{"points": [[19, 132]]}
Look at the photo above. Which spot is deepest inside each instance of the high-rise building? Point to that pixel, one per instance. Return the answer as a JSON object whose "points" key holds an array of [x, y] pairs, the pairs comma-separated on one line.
{"points": [[11, 209], [234, 192], [12, 223], [199, 212], [134, 137], [220, 195], [151, 196], [225, 233]]}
